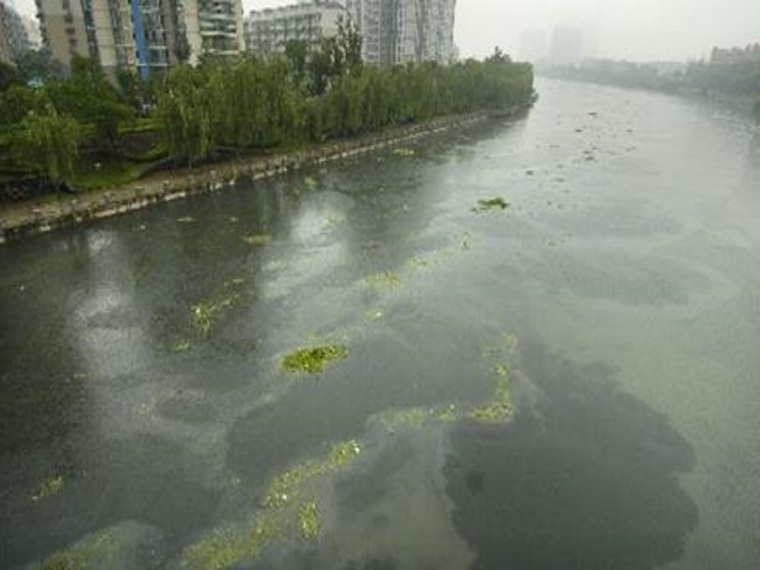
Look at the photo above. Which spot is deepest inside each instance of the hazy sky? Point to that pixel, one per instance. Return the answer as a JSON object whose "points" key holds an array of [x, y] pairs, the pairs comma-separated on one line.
{"points": [[630, 29]]}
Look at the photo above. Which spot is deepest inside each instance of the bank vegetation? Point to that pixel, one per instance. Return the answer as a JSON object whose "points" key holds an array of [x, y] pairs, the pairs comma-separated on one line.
{"points": [[84, 131]]}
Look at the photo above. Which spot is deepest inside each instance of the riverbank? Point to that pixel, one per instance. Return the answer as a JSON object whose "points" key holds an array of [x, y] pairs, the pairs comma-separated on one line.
{"points": [[744, 105], [40, 216]]}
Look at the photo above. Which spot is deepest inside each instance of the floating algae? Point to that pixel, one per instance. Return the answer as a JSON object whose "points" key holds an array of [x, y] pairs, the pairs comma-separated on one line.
{"points": [[402, 151], [490, 204], [500, 408], [258, 240], [314, 360], [309, 520], [286, 486], [342, 454], [205, 314], [181, 346], [387, 279], [226, 548], [229, 547], [48, 487]]}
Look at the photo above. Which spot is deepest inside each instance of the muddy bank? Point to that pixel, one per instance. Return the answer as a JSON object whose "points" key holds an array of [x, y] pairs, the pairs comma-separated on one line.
{"points": [[21, 220]]}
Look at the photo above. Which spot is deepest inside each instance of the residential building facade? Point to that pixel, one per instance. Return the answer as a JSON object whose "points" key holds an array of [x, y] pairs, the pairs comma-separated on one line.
{"points": [[403, 31], [267, 32], [13, 37], [736, 55], [145, 35]]}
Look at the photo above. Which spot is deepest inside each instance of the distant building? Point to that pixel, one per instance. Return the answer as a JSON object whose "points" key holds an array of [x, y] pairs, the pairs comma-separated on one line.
{"points": [[145, 35], [402, 31], [735, 55], [269, 31], [13, 37], [534, 46], [566, 46]]}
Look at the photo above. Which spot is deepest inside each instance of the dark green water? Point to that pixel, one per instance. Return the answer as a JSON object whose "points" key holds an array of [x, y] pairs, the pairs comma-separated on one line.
{"points": [[619, 288]]}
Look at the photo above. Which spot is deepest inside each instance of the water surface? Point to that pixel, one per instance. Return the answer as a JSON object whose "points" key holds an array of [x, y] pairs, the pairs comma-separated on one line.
{"points": [[619, 289]]}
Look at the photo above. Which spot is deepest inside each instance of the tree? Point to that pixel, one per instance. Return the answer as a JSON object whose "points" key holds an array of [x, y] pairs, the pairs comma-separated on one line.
{"points": [[36, 67], [9, 75], [17, 101], [297, 55], [336, 56], [91, 99], [350, 43], [184, 109], [50, 141]]}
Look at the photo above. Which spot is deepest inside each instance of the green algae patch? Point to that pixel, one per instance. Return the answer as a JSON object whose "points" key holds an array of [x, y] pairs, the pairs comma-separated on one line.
{"points": [[282, 510], [314, 360], [501, 407], [181, 346], [309, 520], [205, 314], [226, 548], [491, 204], [48, 487], [388, 280], [402, 151], [258, 240], [342, 454], [286, 487], [448, 414]]}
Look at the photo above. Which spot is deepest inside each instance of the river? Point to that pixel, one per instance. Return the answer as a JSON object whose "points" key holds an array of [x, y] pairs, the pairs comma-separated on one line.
{"points": [[148, 422]]}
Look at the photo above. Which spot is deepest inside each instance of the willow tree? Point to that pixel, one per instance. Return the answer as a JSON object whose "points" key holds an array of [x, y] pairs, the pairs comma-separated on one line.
{"points": [[184, 110], [50, 141]]}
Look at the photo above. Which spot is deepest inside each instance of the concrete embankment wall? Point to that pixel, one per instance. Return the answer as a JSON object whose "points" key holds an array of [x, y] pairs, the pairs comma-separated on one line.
{"points": [[202, 180]]}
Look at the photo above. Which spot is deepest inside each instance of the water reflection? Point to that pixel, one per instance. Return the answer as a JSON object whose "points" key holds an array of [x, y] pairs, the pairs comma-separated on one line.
{"points": [[589, 478]]}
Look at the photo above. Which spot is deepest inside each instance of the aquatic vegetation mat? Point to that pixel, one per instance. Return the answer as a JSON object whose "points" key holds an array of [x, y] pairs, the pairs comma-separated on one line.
{"points": [[206, 314], [491, 204], [388, 279], [257, 240], [314, 360], [309, 520], [283, 511], [48, 487]]}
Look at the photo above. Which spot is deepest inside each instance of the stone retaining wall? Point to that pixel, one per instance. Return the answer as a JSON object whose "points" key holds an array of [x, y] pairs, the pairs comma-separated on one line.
{"points": [[202, 180]]}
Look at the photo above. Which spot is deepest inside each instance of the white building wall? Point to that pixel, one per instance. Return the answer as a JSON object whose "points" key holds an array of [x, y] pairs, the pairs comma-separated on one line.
{"points": [[401, 31]]}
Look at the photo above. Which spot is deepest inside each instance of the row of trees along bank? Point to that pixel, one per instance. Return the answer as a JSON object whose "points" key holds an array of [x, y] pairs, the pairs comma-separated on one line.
{"points": [[251, 104]]}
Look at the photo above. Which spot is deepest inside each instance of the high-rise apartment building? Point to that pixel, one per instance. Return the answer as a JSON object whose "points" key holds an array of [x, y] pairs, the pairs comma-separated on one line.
{"points": [[269, 31], [146, 35], [402, 31], [13, 37]]}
